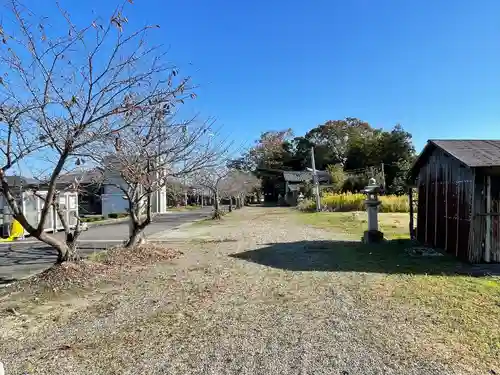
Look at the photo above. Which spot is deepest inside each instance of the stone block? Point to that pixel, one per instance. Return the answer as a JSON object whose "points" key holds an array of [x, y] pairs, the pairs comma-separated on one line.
{"points": [[373, 236]]}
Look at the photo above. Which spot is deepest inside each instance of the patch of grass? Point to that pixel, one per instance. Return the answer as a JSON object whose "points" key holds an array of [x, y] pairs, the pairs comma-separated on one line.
{"points": [[91, 219], [207, 221], [184, 208], [98, 256], [394, 225], [464, 312]]}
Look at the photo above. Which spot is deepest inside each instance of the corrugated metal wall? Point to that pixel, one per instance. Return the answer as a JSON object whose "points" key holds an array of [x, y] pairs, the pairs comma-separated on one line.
{"points": [[445, 191]]}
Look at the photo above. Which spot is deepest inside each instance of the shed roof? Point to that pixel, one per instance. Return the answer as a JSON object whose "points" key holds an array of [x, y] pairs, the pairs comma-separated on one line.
{"points": [[303, 176], [474, 153], [297, 176]]}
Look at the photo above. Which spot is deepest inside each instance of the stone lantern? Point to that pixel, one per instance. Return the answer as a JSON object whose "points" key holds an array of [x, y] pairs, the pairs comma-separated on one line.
{"points": [[300, 198], [372, 235]]}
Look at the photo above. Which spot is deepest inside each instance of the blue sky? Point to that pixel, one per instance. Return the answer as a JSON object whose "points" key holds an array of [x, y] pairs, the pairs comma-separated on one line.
{"points": [[433, 66]]}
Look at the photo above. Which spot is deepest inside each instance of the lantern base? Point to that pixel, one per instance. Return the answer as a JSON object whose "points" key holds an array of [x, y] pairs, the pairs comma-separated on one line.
{"points": [[373, 236]]}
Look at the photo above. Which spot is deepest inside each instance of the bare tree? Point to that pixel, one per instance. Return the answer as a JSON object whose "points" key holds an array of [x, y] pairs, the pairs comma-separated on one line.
{"points": [[228, 187], [213, 179], [64, 90], [174, 190], [149, 155], [248, 184], [236, 185]]}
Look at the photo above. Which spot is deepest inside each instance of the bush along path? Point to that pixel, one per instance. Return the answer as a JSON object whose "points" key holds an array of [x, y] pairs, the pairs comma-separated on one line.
{"points": [[259, 292], [344, 202]]}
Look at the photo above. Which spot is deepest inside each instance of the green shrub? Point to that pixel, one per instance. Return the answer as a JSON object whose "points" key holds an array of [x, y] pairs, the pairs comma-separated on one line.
{"points": [[91, 219], [113, 215], [307, 205], [338, 177]]}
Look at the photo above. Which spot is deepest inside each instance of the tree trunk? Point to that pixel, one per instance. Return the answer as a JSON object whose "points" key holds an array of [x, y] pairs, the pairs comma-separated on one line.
{"points": [[71, 235], [62, 248], [217, 214], [71, 242], [136, 235], [138, 222]]}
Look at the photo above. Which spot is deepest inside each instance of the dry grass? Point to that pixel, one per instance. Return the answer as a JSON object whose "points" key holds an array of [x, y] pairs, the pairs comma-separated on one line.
{"points": [[55, 294], [465, 311], [345, 202], [459, 313], [184, 208], [141, 255], [283, 298], [394, 225]]}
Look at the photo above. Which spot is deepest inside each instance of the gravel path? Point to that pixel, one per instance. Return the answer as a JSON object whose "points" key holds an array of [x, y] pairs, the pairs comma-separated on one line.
{"points": [[213, 313]]}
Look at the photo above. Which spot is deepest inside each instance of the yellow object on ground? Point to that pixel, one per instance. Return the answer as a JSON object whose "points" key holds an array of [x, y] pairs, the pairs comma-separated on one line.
{"points": [[16, 231]]}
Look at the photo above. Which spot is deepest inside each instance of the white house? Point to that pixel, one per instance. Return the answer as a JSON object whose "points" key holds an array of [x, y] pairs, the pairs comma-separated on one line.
{"points": [[113, 199]]}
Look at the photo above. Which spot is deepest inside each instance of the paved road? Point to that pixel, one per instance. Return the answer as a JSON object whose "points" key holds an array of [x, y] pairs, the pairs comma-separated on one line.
{"points": [[21, 259]]}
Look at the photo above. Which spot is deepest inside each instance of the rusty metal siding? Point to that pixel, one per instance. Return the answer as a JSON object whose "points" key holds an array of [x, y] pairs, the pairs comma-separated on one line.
{"points": [[445, 204]]}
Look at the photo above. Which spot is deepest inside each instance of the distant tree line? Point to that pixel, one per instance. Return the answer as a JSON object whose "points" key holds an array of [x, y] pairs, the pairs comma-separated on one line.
{"points": [[351, 149]]}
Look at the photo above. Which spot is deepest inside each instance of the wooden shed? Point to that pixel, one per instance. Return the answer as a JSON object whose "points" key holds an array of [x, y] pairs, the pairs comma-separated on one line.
{"points": [[31, 205], [458, 183]]}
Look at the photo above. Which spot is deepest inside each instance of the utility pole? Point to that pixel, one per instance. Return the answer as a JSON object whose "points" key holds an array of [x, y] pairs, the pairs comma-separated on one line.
{"points": [[383, 176], [315, 180]]}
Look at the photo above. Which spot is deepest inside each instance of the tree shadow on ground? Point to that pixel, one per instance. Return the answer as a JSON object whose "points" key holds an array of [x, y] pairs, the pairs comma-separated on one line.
{"points": [[22, 255], [6, 280], [389, 257]]}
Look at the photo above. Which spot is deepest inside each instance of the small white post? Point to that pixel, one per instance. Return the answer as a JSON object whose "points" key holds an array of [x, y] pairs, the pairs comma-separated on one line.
{"points": [[487, 248]]}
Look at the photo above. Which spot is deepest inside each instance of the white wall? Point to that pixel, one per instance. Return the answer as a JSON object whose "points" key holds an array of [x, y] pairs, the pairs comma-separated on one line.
{"points": [[112, 197], [163, 199], [112, 200]]}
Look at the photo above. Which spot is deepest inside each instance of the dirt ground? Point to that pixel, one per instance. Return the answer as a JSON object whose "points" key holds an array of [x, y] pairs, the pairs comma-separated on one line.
{"points": [[257, 293]]}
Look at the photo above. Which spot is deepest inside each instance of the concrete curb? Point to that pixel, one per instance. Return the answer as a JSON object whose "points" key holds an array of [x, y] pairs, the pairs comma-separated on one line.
{"points": [[124, 219], [106, 222], [179, 227]]}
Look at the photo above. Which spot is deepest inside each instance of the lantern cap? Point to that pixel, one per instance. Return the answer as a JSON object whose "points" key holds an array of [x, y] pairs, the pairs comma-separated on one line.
{"points": [[372, 188]]}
